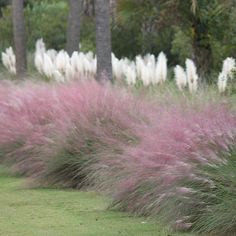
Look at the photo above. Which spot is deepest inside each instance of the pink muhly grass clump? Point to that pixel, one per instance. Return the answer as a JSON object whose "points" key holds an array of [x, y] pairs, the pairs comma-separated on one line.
{"points": [[151, 159], [147, 175], [27, 114], [52, 132], [101, 123]]}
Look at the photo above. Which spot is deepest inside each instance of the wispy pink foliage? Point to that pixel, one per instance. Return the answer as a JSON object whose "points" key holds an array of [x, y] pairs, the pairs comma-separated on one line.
{"points": [[99, 122], [168, 149], [135, 151], [39, 120], [27, 113]]}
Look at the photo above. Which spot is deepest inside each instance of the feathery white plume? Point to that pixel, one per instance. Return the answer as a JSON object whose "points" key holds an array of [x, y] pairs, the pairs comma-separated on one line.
{"points": [[161, 69], [61, 67], [222, 82], [61, 61], [130, 74], [192, 76], [180, 77], [40, 46], [48, 67], [228, 66], [226, 73], [9, 60]]}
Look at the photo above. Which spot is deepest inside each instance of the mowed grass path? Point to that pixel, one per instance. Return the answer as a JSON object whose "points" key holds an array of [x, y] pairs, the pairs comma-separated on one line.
{"points": [[51, 212]]}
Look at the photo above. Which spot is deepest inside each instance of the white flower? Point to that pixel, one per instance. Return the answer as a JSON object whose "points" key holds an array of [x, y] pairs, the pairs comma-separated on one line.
{"points": [[226, 73], [48, 67], [130, 74], [61, 61], [38, 62], [146, 75], [52, 54], [180, 77], [9, 60], [192, 76], [222, 82], [139, 65], [40, 46], [116, 67], [58, 76], [70, 72], [228, 66], [161, 69]]}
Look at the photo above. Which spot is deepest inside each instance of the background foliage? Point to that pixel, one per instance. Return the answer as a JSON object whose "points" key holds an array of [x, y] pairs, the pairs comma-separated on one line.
{"points": [[179, 28]]}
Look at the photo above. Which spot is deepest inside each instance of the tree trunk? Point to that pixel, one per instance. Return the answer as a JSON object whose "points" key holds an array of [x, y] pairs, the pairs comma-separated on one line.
{"points": [[73, 27], [202, 49], [203, 60], [19, 36], [103, 40]]}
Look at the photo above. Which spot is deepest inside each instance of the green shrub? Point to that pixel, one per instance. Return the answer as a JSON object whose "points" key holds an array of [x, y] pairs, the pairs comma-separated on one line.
{"points": [[43, 20]]}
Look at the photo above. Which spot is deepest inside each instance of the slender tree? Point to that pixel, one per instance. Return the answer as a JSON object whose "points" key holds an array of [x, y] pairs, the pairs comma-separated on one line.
{"points": [[73, 27], [103, 40], [19, 36]]}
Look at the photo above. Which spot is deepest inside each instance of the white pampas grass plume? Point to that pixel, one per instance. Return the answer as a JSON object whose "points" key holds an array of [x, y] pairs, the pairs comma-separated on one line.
{"points": [[226, 73], [48, 67], [161, 69], [38, 62], [58, 76], [9, 60], [180, 77], [76, 62], [40, 50], [40, 46], [74, 59], [145, 75], [228, 66], [192, 76], [94, 67], [70, 72], [130, 74], [61, 61], [116, 67], [144, 68], [87, 66], [149, 59], [52, 53], [89, 56], [139, 65], [222, 82]]}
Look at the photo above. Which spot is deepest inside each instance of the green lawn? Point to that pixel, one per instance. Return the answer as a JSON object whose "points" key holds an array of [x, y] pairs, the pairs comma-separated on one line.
{"points": [[50, 212]]}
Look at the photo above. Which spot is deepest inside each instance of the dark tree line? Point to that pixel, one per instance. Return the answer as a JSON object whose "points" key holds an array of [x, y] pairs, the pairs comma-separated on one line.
{"points": [[103, 35]]}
